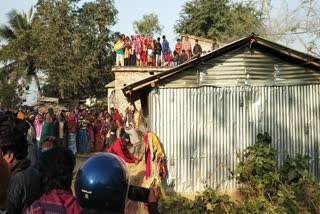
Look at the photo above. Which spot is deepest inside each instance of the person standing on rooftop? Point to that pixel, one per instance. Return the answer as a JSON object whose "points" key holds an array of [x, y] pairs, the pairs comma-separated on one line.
{"points": [[119, 49], [186, 45], [158, 49], [197, 50], [165, 50]]}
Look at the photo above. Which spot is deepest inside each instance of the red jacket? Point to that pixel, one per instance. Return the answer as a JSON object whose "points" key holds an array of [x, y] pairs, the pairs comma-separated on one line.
{"points": [[117, 118], [119, 148], [57, 201]]}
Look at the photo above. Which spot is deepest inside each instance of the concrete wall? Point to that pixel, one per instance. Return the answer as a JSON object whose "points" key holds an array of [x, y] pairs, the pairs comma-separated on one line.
{"points": [[207, 45], [127, 75]]}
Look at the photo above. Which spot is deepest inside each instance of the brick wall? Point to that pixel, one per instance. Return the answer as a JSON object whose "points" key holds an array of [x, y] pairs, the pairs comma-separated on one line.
{"points": [[127, 75]]}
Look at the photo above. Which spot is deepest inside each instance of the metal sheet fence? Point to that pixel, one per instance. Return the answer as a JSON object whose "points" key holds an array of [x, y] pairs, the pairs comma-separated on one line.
{"points": [[203, 128]]}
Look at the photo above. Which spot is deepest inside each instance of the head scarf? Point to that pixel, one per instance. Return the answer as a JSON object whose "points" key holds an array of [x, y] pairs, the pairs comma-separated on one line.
{"points": [[38, 125]]}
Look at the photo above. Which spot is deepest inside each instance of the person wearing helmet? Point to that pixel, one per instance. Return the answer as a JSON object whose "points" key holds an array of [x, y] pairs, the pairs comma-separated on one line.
{"points": [[102, 184]]}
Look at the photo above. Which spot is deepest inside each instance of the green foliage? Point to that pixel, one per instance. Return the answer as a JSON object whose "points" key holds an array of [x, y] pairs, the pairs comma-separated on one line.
{"points": [[20, 46], [293, 169], [218, 18], [269, 187], [206, 202], [10, 91], [75, 45], [148, 25], [266, 186], [259, 163]]}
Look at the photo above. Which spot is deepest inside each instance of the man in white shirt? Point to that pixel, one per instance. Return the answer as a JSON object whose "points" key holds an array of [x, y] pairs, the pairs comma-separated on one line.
{"points": [[134, 139]]}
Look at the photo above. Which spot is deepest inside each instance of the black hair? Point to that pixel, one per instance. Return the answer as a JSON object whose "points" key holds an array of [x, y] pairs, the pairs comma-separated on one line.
{"points": [[8, 115], [12, 139], [158, 38], [50, 110], [56, 169], [22, 125], [62, 115], [123, 134], [163, 37], [96, 114]]}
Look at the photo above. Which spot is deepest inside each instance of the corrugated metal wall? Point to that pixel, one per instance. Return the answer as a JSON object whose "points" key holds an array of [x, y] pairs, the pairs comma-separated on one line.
{"points": [[203, 128]]}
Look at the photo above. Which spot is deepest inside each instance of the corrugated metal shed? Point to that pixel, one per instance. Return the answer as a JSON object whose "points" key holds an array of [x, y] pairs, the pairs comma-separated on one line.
{"points": [[207, 110], [202, 129]]}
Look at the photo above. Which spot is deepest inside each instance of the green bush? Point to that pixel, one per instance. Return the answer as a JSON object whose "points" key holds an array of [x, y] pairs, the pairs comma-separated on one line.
{"points": [[266, 186], [206, 202], [269, 187]]}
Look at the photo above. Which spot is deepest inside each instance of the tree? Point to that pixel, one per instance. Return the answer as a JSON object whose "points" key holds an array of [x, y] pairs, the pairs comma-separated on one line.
{"points": [[294, 25], [10, 90], [75, 45], [20, 46], [148, 25], [218, 18]]}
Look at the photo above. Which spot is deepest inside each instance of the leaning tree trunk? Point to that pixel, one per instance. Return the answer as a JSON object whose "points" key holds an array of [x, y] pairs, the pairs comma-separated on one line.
{"points": [[36, 78]]}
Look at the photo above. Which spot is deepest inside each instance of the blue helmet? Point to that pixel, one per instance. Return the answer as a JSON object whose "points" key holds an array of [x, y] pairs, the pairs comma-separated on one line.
{"points": [[102, 183]]}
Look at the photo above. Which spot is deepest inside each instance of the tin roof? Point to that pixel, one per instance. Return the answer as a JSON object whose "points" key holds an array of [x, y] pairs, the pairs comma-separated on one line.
{"points": [[133, 90]]}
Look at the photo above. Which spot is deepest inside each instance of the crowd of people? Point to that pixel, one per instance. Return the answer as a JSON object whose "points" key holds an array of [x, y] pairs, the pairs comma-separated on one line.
{"points": [[141, 50], [37, 158], [82, 131]]}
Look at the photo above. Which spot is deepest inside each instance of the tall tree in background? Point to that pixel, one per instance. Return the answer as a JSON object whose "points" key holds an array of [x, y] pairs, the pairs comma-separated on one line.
{"points": [[19, 48], [218, 18], [10, 92], [294, 25], [75, 44], [148, 25]]}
